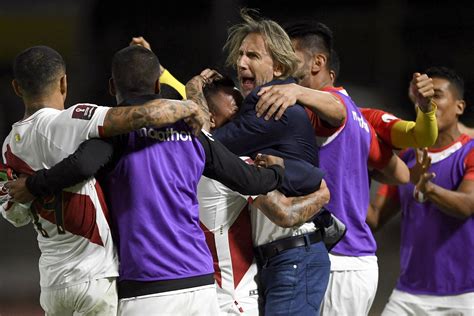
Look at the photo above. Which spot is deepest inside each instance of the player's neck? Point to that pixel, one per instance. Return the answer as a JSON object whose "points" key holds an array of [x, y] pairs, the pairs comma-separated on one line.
{"points": [[123, 97], [447, 136], [55, 101], [322, 80]]}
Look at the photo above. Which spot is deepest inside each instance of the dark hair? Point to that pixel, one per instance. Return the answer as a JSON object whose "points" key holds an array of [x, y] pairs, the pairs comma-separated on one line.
{"points": [[335, 63], [450, 75], [135, 69], [219, 85], [312, 35], [36, 68]]}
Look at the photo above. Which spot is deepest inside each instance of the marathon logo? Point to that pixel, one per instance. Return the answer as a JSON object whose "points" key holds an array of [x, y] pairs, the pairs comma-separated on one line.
{"points": [[84, 112], [167, 135]]}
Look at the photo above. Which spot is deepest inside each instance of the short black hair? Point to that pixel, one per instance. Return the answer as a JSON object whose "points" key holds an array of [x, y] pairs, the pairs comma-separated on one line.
{"points": [[311, 35], [218, 85], [450, 75], [135, 69], [36, 68]]}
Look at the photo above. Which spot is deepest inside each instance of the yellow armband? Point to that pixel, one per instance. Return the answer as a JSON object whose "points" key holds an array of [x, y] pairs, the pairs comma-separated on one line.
{"points": [[422, 133], [167, 78]]}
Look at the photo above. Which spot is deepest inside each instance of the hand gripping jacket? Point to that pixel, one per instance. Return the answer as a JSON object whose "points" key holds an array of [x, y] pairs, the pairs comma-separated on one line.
{"points": [[332, 228]]}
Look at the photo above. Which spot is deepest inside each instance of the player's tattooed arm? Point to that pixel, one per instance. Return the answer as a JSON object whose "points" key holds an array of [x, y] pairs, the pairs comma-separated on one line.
{"points": [[294, 211], [194, 91], [157, 113]]}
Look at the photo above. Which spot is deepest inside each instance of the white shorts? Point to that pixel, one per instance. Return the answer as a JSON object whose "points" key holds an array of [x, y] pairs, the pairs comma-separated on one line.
{"points": [[200, 300], [242, 300], [351, 292], [402, 303], [247, 306], [95, 297]]}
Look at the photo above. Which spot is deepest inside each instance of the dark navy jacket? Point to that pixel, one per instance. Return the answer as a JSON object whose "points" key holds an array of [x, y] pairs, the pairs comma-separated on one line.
{"points": [[291, 137]]}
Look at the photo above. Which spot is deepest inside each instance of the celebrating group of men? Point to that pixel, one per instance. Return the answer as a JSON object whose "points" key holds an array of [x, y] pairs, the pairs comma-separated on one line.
{"points": [[224, 203]]}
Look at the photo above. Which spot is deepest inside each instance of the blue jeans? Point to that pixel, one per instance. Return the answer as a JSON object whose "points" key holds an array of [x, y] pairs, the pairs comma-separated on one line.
{"points": [[294, 281]]}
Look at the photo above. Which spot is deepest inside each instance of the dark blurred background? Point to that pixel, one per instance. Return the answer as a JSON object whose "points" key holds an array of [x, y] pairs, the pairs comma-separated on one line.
{"points": [[380, 43]]}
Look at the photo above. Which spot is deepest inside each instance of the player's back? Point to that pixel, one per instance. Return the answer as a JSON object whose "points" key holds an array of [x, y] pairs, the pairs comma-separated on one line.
{"points": [[151, 190], [73, 233], [225, 219]]}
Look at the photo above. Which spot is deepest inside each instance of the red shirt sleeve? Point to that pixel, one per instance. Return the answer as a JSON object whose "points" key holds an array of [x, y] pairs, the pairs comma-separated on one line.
{"points": [[320, 127], [382, 122], [469, 163], [388, 191], [380, 153]]}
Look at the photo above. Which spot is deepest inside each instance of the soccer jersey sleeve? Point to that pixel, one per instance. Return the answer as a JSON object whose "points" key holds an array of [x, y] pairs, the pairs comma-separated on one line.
{"points": [[87, 117], [388, 191], [469, 164], [382, 122], [78, 123], [380, 153], [403, 134], [321, 128]]}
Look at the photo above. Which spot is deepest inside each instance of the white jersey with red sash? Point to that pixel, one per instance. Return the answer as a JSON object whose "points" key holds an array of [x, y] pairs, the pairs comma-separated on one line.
{"points": [[225, 219], [73, 227]]}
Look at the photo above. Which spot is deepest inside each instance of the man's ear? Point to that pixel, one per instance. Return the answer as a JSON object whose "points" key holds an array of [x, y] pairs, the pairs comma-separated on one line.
{"points": [[157, 86], [460, 107], [63, 86], [112, 90], [212, 120], [332, 75], [319, 62], [277, 71], [16, 87]]}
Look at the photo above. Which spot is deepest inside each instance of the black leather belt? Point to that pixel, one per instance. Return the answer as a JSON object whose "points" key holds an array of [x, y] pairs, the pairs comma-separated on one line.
{"points": [[276, 247], [129, 288]]}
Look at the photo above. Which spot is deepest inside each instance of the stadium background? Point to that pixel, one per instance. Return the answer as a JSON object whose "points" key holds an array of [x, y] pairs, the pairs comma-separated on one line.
{"points": [[380, 44]]}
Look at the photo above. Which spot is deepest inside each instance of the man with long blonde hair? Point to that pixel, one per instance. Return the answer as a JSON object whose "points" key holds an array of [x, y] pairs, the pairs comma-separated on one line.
{"points": [[293, 262]]}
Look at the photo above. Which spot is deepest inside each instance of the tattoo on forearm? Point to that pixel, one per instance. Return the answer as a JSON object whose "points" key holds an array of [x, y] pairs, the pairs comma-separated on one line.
{"points": [[194, 92], [157, 113], [299, 210], [303, 209]]}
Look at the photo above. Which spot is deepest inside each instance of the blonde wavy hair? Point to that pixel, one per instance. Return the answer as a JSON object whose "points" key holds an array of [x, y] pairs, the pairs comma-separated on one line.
{"points": [[276, 40]]}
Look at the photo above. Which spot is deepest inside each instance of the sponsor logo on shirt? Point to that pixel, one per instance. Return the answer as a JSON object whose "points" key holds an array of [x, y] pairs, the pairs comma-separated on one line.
{"points": [[167, 135], [84, 112], [362, 123]]}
